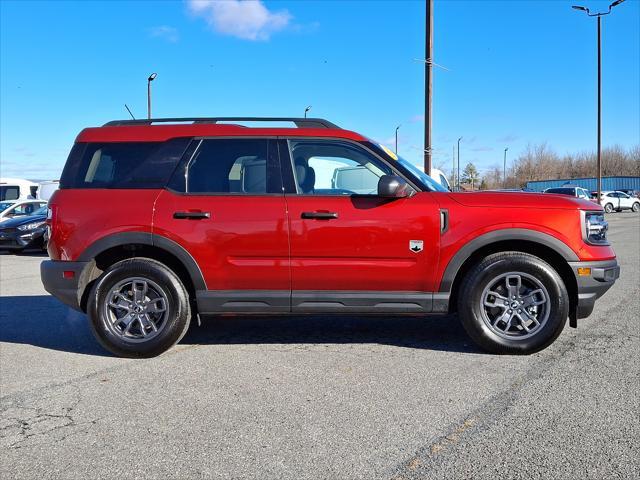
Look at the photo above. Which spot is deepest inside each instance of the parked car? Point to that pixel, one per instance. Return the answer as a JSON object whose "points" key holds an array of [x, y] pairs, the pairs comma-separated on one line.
{"points": [[203, 218], [631, 192], [619, 201], [17, 189], [15, 208], [440, 177], [24, 231], [572, 191]]}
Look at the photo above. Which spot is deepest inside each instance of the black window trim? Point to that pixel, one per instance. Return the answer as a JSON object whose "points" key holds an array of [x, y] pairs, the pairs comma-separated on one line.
{"points": [[186, 162], [291, 174]]}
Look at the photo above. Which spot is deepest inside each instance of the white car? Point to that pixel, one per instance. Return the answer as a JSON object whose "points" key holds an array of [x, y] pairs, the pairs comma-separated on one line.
{"points": [[440, 177], [15, 208], [619, 201]]}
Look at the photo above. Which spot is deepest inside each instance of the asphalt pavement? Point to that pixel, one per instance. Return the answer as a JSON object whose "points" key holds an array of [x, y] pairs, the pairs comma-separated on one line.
{"points": [[314, 397]]}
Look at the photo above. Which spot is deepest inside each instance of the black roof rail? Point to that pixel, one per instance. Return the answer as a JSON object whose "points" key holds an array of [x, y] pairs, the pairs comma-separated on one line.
{"points": [[299, 122]]}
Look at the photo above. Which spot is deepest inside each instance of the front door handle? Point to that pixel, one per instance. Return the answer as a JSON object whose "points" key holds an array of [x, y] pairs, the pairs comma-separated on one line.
{"points": [[319, 215], [191, 215]]}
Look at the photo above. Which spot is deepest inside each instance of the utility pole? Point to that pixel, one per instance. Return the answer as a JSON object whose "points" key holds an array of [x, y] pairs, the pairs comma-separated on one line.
{"points": [[397, 141], [428, 64], [599, 160], [504, 169], [151, 78]]}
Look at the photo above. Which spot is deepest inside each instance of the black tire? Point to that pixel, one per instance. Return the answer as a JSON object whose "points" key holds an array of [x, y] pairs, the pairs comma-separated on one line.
{"points": [[177, 309], [608, 208], [636, 207], [488, 271]]}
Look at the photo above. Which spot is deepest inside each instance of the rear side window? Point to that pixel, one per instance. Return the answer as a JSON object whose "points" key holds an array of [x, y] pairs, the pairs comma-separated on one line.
{"points": [[236, 166], [122, 165]]}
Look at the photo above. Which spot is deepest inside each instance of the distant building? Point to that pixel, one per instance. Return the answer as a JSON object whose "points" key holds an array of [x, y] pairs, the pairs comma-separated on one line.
{"points": [[608, 183]]}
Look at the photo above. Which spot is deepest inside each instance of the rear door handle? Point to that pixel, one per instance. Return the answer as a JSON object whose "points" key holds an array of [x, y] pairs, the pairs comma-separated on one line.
{"points": [[319, 215], [191, 215]]}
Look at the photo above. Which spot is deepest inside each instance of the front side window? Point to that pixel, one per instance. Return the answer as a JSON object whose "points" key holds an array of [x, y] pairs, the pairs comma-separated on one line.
{"points": [[323, 167], [26, 209], [239, 166]]}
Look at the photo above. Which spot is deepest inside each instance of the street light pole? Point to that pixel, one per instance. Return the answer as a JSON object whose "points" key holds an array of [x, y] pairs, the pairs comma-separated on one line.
{"points": [[599, 158], [306, 110], [151, 78], [459, 163], [504, 169], [453, 165], [397, 141]]}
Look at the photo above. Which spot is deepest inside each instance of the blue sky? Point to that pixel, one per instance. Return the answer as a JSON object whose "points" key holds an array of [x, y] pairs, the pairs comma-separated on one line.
{"points": [[518, 72]]}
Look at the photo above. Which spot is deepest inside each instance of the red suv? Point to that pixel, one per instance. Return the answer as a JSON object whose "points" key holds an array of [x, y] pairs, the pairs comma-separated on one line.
{"points": [[205, 216]]}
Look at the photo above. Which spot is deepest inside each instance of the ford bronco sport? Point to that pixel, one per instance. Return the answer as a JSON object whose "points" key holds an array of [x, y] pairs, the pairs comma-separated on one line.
{"points": [[207, 216]]}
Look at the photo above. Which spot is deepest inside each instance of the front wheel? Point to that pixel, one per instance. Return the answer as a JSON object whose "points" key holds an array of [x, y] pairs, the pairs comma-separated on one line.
{"points": [[513, 303], [636, 207], [138, 308], [608, 208]]}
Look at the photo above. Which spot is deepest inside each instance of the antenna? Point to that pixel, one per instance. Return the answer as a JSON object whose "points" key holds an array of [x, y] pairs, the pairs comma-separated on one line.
{"points": [[125, 106]]}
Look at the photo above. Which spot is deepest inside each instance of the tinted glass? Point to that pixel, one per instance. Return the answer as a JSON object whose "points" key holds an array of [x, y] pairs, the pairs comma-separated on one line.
{"points": [[122, 165], [231, 166], [327, 167], [561, 191]]}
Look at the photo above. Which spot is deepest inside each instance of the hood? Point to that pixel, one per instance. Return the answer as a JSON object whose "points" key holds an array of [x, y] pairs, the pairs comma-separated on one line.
{"points": [[22, 220], [522, 200]]}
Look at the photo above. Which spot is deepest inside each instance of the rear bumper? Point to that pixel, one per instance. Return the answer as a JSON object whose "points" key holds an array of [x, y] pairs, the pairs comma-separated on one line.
{"points": [[63, 280], [592, 285]]}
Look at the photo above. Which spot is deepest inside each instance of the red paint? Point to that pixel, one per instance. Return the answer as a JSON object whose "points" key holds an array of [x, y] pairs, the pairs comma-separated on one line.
{"points": [[262, 243]]}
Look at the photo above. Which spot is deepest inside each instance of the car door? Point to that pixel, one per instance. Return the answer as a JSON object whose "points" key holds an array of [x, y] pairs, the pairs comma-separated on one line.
{"points": [[625, 200], [350, 249], [226, 208]]}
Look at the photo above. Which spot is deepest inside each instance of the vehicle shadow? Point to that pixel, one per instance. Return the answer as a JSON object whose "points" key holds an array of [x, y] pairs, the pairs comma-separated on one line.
{"points": [[42, 321]]}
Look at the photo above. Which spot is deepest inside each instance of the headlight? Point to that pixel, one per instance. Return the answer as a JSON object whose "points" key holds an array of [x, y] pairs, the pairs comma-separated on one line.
{"points": [[30, 226], [595, 228]]}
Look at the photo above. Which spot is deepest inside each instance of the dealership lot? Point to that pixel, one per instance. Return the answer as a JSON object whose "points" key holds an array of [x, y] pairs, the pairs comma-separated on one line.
{"points": [[313, 397]]}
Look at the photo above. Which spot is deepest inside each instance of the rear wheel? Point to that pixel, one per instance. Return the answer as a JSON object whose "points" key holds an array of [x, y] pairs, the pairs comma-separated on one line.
{"points": [[139, 308], [513, 303]]}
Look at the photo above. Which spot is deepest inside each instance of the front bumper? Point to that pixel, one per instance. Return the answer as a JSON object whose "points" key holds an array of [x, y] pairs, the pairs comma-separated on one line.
{"points": [[65, 280], [14, 239], [592, 285]]}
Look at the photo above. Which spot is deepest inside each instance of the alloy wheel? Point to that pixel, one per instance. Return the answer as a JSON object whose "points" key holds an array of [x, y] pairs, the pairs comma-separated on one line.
{"points": [[136, 309], [515, 305]]}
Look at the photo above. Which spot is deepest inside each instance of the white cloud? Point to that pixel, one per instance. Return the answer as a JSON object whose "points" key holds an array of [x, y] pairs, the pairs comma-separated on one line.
{"points": [[170, 34], [246, 19]]}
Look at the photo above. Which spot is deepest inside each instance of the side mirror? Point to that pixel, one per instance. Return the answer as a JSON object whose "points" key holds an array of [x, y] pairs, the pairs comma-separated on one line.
{"points": [[392, 186]]}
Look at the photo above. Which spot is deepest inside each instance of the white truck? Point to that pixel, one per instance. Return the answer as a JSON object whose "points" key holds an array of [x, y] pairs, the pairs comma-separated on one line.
{"points": [[17, 189]]}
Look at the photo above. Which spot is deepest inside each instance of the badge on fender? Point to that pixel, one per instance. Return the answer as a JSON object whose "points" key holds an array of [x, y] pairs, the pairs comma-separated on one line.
{"points": [[416, 246]]}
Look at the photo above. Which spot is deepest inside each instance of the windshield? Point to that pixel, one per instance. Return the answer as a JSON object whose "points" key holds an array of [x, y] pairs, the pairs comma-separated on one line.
{"points": [[429, 182], [5, 205]]}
